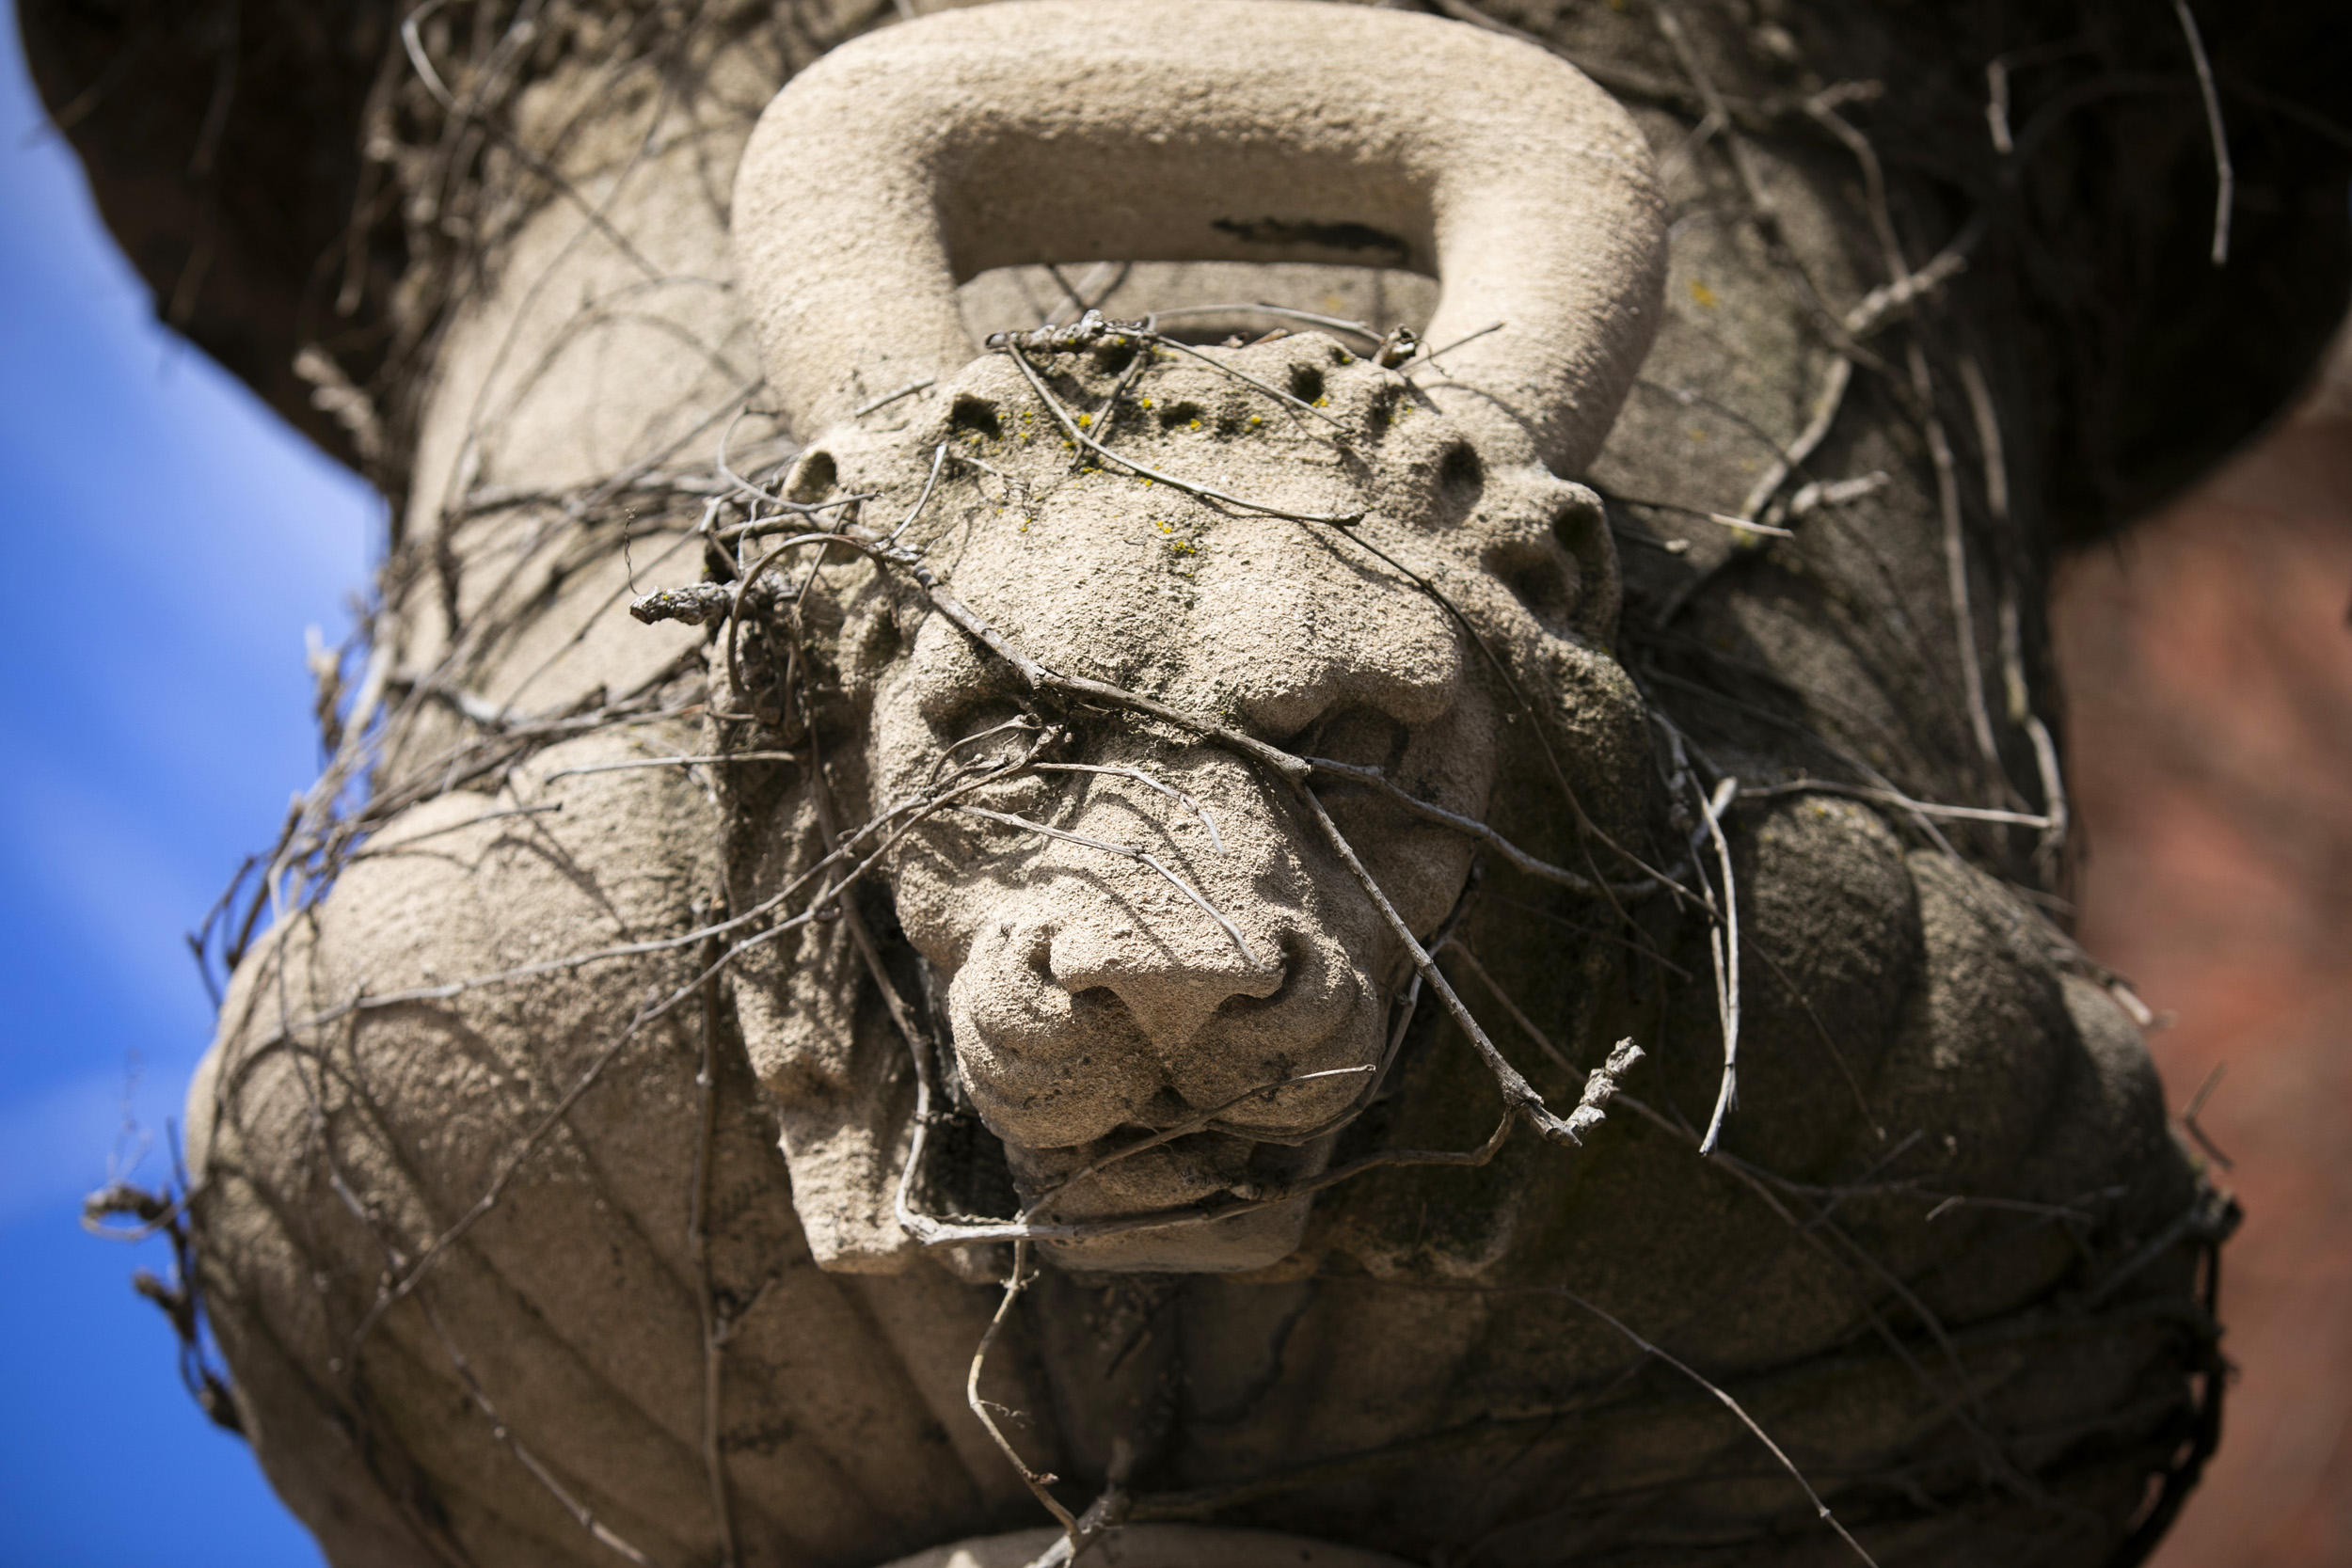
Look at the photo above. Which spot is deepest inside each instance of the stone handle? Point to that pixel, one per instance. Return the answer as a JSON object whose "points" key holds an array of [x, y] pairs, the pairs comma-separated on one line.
{"points": [[1071, 131]]}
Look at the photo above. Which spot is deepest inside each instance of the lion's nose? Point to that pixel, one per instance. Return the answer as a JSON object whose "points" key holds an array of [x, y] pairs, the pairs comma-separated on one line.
{"points": [[1170, 992]]}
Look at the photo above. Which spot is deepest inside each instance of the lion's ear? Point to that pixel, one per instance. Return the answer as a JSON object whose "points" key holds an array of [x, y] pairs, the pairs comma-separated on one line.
{"points": [[811, 478], [872, 639], [822, 1044]]}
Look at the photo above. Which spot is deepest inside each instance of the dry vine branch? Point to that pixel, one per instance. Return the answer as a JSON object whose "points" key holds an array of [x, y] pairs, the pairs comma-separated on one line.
{"points": [[888, 398], [579, 1512], [1145, 780], [1519, 1015], [1518, 1093], [1126, 851], [1037, 1484], [1723, 941], [1183, 1128], [1071, 427], [1955, 562], [2225, 192], [395, 1290], [1472, 828], [1289, 400], [698, 1255], [1895, 797], [1715, 1391], [1282, 312], [662, 762]]}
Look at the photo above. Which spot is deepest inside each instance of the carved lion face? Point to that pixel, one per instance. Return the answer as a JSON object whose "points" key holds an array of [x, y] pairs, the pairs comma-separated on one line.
{"points": [[1096, 998]]}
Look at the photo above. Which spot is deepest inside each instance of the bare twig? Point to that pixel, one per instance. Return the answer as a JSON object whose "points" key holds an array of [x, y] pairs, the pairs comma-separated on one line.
{"points": [[1103, 1515], [1826, 403], [1145, 780], [2018, 694], [691, 605], [1988, 423], [1723, 942], [1518, 1093], [939, 457], [1337, 324], [602, 1532], [888, 398], [711, 759], [1494, 988], [1738, 525], [1437, 354], [1819, 1508], [1955, 562], [2226, 178], [1472, 828], [1037, 1483], [1894, 798], [788, 515], [698, 1249], [2197, 1103], [1289, 399], [1131, 852], [375, 850], [1071, 427], [1886, 303]]}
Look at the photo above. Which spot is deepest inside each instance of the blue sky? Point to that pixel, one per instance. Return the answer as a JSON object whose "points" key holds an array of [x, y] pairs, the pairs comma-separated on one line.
{"points": [[170, 539]]}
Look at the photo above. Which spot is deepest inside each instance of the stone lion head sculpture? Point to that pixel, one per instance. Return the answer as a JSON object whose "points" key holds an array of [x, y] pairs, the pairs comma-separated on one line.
{"points": [[1151, 973], [1100, 735]]}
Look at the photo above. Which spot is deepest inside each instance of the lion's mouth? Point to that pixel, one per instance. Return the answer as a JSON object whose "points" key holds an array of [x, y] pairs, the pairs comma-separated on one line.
{"points": [[1103, 1179], [1223, 1202]]}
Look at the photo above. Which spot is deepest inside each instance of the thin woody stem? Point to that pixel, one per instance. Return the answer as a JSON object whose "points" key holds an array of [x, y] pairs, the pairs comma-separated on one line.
{"points": [[1036, 1481], [1517, 1091], [1125, 851], [1070, 426]]}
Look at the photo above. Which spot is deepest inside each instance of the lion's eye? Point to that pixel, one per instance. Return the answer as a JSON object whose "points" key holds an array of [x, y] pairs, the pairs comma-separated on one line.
{"points": [[1461, 484], [982, 727], [1544, 577], [811, 477], [1361, 736]]}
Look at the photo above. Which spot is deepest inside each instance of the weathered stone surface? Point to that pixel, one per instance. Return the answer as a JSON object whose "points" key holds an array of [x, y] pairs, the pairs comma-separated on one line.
{"points": [[1946, 1254]]}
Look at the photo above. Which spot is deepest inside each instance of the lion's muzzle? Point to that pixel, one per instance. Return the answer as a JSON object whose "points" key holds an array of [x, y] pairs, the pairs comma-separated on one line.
{"points": [[1102, 1007]]}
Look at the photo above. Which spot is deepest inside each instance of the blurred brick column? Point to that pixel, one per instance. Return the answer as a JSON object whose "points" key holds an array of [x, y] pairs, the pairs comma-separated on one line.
{"points": [[2208, 662]]}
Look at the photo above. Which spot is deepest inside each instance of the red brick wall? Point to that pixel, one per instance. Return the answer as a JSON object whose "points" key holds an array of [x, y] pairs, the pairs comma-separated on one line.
{"points": [[2208, 662]]}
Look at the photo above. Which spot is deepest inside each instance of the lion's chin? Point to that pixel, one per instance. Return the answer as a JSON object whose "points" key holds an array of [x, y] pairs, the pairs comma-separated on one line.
{"points": [[1189, 1180]]}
